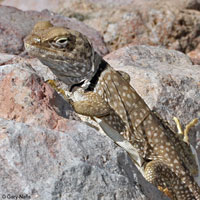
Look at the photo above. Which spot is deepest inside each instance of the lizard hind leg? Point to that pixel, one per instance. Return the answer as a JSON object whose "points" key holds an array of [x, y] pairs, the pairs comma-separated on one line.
{"points": [[160, 175], [153, 174]]}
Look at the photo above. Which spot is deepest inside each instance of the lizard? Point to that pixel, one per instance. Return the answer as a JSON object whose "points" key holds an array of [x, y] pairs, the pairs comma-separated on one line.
{"points": [[106, 95]]}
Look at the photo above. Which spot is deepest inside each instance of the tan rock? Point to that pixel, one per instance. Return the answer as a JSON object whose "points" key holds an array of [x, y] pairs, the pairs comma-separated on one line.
{"points": [[173, 24], [195, 55]]}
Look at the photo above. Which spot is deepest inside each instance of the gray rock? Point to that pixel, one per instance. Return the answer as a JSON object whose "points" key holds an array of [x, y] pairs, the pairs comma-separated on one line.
{"points": [[76, 164]]}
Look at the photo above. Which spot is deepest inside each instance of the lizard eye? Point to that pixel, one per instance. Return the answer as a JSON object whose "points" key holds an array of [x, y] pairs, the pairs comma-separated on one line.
{"points": [[61, 42]]}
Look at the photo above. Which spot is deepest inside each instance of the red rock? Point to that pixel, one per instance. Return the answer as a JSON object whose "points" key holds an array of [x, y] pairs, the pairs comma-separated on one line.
{"points": [[26, 98]]}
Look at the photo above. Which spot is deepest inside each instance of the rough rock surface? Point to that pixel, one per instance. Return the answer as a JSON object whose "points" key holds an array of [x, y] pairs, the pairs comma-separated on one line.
{"points": [[195, 55], [174, 24], [44, 155], [165, 23], [42, 164], [16, 24], [165, 79], [25, 97], [169, 23]]}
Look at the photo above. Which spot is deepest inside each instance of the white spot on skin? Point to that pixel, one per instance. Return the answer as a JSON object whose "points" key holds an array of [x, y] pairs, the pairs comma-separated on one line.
{"points": [[111, 89], [116, 96], [124, 94], [100, 92], [175, 161], [169, 159], [115, 104], [135, 114], [150, 140], [137, 122], [128, 104], [108, 77], [133, 96], [182, 172], [128, 96], [115, 77], [173, 152], [152, 128], [141, 115], [149, 121], [166, 154], [161, 141], [125, 87], [177, 167], [156, 140], [116, 83], [149, 133]]}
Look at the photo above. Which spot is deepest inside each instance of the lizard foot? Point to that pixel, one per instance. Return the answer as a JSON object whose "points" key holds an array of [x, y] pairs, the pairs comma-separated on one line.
{"points": [[187, 128], [165, 191], [53, 84], [189, 149]]}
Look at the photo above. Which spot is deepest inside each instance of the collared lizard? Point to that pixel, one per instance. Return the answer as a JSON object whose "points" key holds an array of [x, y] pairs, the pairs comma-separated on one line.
{"points": [[106, 95]]}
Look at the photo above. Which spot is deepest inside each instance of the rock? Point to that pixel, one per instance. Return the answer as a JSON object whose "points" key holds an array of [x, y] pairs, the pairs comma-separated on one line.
{"points": [[173, 24], [13, 31], [79, 163], [25, 97], [195, 55], [165, 79]]}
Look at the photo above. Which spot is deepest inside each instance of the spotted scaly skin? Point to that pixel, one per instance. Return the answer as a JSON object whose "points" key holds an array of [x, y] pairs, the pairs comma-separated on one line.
{"points": [[107, 95]]}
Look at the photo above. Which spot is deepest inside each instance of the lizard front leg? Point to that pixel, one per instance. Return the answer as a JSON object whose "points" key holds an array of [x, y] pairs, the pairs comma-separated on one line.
{"points": [[91, 104]]}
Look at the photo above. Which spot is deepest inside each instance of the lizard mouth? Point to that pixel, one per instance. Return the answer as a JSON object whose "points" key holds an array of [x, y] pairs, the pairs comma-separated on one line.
{"points": [[59, 65]]}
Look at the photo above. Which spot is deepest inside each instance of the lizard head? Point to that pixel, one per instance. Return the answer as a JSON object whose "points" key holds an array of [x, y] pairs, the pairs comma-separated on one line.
{"points": [[66, 52]]}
